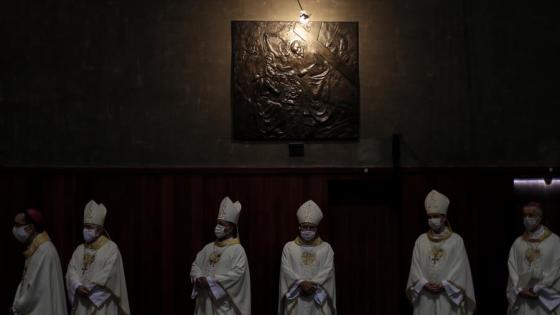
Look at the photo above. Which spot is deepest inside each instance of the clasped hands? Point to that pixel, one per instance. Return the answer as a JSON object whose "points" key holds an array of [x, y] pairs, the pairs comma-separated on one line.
{"points": [[528, 293], [83, 291], [434, 287], [308, 288], [201, 283]]}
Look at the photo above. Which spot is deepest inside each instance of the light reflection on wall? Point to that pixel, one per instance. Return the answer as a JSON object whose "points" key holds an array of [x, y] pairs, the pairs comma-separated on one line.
{"points": [[536, 185], [546, 192]]}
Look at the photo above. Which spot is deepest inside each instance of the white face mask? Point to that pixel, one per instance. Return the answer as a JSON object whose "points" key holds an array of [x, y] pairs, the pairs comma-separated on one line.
{"points": [[220, 231], [21, 234], [307, 235], [435, 223], [530, 223], [89, 234]]}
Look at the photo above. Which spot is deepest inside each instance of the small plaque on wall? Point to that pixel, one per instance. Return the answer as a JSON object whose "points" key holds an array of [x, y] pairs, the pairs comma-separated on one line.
{"points": [[294, 81]]}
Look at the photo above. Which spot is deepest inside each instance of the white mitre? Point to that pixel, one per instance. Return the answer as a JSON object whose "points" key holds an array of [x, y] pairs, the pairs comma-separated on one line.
{"points": [[229, 210], [436, 203], [309, 212], [94, 213]]}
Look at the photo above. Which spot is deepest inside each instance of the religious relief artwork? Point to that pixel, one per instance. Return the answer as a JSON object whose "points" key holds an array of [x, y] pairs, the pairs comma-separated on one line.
{"points": [[294, 81]]}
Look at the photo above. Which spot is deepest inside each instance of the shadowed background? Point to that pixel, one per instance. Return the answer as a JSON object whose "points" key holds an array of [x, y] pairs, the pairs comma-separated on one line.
{"points": [[161, 218], [135, 83], [128, 103]]}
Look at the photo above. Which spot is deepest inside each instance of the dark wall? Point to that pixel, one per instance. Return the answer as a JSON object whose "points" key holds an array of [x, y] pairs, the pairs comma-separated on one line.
{"points": [[121, 83], [161, 218]]}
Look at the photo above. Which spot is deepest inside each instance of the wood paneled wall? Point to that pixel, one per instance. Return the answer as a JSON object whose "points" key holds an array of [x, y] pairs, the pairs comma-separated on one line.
{"points": [[161, 218]]}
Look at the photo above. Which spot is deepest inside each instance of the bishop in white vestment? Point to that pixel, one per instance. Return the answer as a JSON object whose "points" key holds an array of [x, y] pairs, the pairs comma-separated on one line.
{"points": [[307, 277], [41, 290], [220, 273], [534, 268], [95, 278], [440, 280]]}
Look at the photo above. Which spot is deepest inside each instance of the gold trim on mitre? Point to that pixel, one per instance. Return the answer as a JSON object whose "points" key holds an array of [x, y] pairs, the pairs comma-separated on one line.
{"points": [[229, 241], [39, 240], [100, 242], [545, 235], [301, 242]]}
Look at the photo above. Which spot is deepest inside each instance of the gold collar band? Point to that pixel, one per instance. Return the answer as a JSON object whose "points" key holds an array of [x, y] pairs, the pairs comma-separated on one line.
{"points": [[544, 236], [39, 240], [315, 242], [100, 242], [440, 238], [229, 241]]}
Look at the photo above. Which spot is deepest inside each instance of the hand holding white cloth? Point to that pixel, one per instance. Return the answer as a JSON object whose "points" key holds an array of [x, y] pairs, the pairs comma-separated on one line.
{"points": [[319, 296], [294, 291], [97, 295], [319, 270], [454, 293], [443, 261], [228, 280], [548, 297], [541, 274], [216, 290], [417, 289], [103, 276]]}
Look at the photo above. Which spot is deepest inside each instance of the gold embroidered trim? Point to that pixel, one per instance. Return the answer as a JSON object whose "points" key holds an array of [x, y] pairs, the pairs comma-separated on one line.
{"points": [[545, 235], [87, 261], [308, 258], [100, 242], [229, 241], [315, 242], [37, 241], [438, 239], [214, 258], [532, 254], [437, 254]]}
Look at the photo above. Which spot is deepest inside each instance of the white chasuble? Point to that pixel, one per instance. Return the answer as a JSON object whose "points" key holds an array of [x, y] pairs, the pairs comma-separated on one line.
{"points": [[314, 263], [534, 263], [225, 267], [98, 267], [444, 261], [41, 290]]}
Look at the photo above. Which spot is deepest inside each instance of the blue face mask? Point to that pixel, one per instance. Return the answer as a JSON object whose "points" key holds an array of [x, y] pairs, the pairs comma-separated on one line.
{"points": [[21, 234], [307, 235], [435, 223], [530, 223], [220, 231], [89, 235]]}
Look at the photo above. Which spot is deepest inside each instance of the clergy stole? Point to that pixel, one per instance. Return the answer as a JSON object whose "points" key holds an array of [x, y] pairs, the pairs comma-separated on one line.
{"points": [[225, 267], [442, 261], [41, 290], [301, 262], [535, 263], [97, 266]]}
